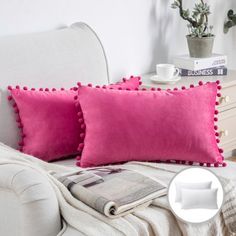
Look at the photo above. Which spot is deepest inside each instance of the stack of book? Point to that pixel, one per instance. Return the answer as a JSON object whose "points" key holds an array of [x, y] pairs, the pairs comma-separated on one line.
{"points": [[216, 65]]}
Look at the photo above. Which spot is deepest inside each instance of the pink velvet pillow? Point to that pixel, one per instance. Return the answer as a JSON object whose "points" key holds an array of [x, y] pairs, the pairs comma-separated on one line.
{"points": [[172, 126], [49, 122]]}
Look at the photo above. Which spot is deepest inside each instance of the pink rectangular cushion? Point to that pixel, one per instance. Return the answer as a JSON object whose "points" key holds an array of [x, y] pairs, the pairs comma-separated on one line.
{"points": [[173, 126], [48, 120]]}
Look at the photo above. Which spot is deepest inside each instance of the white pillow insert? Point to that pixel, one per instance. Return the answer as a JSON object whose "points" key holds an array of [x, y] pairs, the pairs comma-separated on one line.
{"points": [[199, 198], [180, 185]]}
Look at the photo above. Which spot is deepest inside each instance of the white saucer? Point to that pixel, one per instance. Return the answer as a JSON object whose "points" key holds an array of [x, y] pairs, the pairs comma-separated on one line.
{"points": [[156, 79]]}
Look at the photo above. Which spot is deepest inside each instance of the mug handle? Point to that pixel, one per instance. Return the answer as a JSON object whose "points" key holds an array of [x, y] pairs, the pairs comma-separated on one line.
{"points": [[176, 74]]}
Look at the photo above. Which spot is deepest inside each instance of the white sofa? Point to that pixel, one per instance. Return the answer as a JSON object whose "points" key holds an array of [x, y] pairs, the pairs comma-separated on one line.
{"points": [[58, 58], [28, 202]]}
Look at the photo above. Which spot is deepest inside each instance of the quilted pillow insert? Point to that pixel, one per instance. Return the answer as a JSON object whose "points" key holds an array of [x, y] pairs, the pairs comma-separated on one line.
{"points": [[48, 120], [171, 126]]}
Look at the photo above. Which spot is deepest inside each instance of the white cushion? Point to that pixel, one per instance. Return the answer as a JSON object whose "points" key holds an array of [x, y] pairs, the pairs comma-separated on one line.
{"points": [[199, 198], [180, 185]]}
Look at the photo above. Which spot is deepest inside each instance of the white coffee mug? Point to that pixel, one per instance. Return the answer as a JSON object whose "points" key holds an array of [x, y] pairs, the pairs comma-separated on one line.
{"points": [[167, 71]]}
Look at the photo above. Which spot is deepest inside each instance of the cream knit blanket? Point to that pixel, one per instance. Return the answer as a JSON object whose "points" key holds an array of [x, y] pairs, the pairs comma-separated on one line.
{"points": [[155, 219]]}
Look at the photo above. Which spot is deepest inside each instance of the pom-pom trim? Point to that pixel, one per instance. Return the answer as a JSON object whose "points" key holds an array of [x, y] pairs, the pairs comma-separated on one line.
{"points": [[183, 162], [16, 110], [80, 113]]}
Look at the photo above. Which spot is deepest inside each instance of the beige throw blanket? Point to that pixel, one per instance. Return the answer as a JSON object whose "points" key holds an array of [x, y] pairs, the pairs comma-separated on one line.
{"points": [[155, 219]]}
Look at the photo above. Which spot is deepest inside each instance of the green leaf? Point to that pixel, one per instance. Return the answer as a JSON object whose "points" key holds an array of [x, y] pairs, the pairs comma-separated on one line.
{"points": [[186, 13]]}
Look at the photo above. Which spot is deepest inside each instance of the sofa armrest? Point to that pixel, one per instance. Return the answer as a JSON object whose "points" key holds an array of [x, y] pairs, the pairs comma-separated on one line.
{"points": [[28, 204]]}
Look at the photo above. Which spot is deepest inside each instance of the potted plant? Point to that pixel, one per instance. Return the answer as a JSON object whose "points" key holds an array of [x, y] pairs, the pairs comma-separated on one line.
{"points": [[200, 38], [231, 21]]}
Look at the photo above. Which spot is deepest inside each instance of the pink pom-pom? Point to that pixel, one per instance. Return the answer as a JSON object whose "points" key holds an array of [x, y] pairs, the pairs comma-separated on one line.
{"points": [[168, 90], [46, 89], [75, 97], [215, 127], [224, 164], [215, 119], [21, 143], [82, 135], [23, 136], [144, 89], [25, 88], [191, 86], [16, 110], [78, 157], [81, 120], [41, 89], [79, 84], [218, 140], [18, 120], [183, 162], [216, 112], [153, 89], [78, 163], [90, 85], [221, 150], [82, 126], [201, 164], [175, 89], [158, 89], [9, 98], [14, 105], [128, 89], [139, 77], [208, 164], [20, 126], [81, 145], [62, 89], [140, 82], [79, 114], [131, 77], [219, 87], [9, 87], [77, 104], [200, 83], [136, 89], [104, 86], [111, 88], [21, 149], [33, 89], [218, 94], [217, 103], [216, 165], [124, 80], [183, 87], [53, 89], [190, 163], [97, 86], [177, 162], [217, 134], [217, 81], [17, 87]]}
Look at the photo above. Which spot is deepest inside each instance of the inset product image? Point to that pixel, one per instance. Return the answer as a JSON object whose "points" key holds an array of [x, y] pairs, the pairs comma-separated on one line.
{"points": [[195, 195]]}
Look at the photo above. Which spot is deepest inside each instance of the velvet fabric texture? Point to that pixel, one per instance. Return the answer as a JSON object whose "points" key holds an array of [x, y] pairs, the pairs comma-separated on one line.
{"points": [[173, 126], [48, 120]]}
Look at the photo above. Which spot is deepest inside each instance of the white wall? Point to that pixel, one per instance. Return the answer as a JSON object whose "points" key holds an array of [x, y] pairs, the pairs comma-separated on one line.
{"points": [[136, 34]]}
